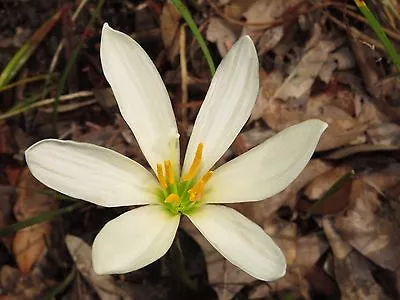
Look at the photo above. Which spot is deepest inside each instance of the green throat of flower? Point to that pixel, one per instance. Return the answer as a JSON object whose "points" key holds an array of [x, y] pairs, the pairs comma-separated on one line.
{"points": [[182, 195]]}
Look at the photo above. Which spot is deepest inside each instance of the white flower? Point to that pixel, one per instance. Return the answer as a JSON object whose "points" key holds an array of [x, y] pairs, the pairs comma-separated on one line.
{"points": [[104, 177]]}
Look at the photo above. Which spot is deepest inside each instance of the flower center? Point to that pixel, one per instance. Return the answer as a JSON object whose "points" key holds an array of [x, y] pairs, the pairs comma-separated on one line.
{"points": [[182, 195]]}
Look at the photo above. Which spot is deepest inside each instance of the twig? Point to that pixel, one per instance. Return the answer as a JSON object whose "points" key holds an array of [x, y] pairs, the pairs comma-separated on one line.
{"points": [[43, 102], [357, 34]]}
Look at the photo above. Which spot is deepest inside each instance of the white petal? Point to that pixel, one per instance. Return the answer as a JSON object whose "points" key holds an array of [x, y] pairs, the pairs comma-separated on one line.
{"points": [[141, 95], [227, 106], [92, 173], [268, 168], [134, 240], [240, 241]]}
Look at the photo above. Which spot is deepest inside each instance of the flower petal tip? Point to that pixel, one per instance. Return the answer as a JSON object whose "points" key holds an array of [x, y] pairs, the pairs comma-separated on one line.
{"points": [[318, 125], [247, 42]]}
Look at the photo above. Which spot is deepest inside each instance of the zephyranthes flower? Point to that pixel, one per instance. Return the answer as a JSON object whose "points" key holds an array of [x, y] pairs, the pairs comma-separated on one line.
{"points": [[104, 177]]}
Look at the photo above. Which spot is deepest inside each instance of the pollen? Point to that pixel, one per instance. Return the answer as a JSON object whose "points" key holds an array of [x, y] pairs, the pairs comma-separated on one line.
{"points": [[172, 198], [161, 177], [195, 164]]}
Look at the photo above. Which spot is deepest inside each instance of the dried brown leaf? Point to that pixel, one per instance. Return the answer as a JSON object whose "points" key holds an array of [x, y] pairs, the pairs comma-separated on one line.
{"points": [[339, 247], [355, 280], [220, 33], [322, 183], [309, 250], [29, 243], [169, 26], [106, 287], [370, 228]]}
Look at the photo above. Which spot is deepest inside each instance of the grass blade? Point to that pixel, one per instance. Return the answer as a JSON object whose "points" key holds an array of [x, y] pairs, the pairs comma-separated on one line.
{"points": [[24, 53], [377, 28], [43, 217], [185, 13], [70, 64]]}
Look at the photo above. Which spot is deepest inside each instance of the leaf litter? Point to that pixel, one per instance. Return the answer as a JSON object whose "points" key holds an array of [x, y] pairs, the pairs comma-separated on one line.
{"points": [[317, 60]]}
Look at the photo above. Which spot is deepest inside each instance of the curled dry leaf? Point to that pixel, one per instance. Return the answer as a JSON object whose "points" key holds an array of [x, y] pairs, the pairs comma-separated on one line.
{"points": [[105, 285], [335, 137], [368, 226], [29, 243], [321, 184], [353, 275], [169, 27], [339, 247], [300, 80]]}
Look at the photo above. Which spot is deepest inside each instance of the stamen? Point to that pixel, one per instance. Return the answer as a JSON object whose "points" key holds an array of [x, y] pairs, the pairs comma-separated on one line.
{"points": [[195, 164], [168, 172], [160, 177], [207, 176], [172, 198], [197, 190]]}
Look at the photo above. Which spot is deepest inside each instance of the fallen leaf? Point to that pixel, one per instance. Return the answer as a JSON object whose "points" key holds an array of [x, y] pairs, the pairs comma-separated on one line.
{"points": [[368, 227], [105, 285], [169, 27], [353, 275], [220, 33], [29, 243], [340, 248], [321, 184], [385, 134], [309, 249], [300, 80]]}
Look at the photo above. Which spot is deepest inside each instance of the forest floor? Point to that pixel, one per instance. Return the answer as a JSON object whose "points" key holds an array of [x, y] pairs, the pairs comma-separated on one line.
{"points": [[338, 223]]}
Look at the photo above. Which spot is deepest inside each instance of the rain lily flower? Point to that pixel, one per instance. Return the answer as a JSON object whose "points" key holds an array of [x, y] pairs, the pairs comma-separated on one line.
{"points": [[101, 176]]}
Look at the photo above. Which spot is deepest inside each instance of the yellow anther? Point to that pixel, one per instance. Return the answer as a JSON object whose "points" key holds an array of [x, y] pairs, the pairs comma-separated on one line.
{"points": [[197, 190], [172, 198], [168, 172], [195, 164], [207, 176], [160, 177]]}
